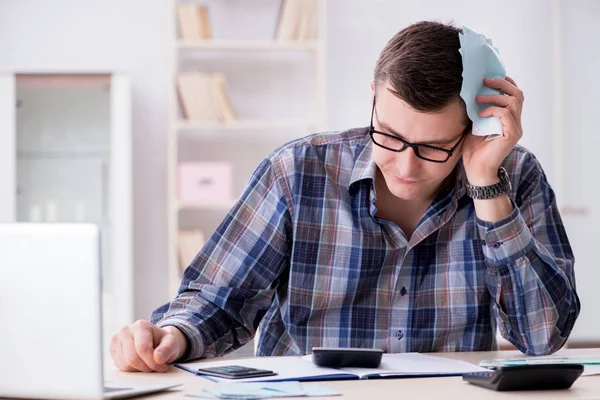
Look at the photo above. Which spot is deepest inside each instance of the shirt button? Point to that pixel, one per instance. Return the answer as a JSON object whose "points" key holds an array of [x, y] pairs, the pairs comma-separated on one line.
{"points": [[496, 245], [399, 335], [403, 291]]}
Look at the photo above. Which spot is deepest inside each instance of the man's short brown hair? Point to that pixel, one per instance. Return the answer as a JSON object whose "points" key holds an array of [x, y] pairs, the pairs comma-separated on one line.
{"points": [[423, 65]]}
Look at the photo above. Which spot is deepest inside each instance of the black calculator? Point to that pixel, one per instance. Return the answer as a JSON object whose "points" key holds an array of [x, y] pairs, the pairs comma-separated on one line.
{"points": [[234, 372], [527, 377]]}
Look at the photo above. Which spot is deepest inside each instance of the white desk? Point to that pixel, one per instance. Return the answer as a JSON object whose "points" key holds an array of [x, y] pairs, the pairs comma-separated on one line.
{"points": [[587, 387]]}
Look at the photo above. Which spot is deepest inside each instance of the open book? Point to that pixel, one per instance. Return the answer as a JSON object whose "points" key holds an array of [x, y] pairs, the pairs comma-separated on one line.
{"points": [[303, 369]]}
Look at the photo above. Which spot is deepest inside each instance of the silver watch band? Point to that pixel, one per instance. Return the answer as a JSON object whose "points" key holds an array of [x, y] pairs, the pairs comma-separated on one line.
{"points": [[491, 191]]}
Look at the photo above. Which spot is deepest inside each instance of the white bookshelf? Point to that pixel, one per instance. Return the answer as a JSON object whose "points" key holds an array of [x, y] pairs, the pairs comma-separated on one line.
{"points": [[245, 45], [248, 124], [205, 206], [266, 131]]}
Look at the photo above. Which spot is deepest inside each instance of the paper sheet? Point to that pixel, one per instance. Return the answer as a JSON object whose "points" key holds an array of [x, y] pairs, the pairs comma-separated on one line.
{"points": [[408, 364], [264, 390], [296, 368]]}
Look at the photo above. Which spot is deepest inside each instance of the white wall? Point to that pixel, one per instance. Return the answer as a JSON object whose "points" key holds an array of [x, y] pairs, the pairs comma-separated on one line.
{"points": [[109, 35], [132, 36]]}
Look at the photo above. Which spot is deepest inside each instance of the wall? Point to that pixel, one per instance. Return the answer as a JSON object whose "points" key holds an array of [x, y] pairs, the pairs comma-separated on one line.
{"points": [[131, 36]]}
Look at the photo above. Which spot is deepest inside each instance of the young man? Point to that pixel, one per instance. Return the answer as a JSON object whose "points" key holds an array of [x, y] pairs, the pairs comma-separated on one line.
{"points": [[409, 235]]}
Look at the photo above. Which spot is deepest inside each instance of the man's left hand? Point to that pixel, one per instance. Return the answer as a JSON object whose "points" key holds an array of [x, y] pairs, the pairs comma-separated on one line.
{"points": [[481, 157]]}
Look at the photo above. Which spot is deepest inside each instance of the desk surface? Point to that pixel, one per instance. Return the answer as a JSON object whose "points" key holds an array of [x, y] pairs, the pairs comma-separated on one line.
{"points": [[587, 387]]}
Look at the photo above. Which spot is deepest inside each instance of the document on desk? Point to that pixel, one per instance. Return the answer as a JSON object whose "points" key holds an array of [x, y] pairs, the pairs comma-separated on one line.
{"points": [[591, 364], [302, 368]]}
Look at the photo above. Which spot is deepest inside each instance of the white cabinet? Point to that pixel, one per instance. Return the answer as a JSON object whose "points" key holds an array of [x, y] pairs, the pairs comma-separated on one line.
{"points": [[578, 151], [65, 156]]}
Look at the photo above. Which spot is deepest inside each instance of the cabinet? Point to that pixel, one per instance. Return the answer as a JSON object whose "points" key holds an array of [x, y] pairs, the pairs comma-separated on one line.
{"points": [[65, 156], [276, 88]]}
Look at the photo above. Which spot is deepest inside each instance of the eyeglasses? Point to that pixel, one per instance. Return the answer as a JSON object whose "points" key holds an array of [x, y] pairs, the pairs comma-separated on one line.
{"points": [[423, 151]]}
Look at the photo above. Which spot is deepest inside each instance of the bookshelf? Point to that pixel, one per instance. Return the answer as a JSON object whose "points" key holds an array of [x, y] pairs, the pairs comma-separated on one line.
{"points": [[225, 35], [242, 45]]}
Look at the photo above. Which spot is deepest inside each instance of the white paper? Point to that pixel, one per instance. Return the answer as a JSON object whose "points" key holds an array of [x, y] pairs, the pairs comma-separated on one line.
{"points": [[287, 368], [294, 368], [406, 364]]}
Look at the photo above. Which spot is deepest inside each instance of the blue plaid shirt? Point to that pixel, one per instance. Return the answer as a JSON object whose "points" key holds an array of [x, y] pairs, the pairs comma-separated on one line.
{"points": [[303, 254]]}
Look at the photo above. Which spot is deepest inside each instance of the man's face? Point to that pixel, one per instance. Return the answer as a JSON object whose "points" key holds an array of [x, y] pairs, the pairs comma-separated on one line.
{"points": [[407, 176]]}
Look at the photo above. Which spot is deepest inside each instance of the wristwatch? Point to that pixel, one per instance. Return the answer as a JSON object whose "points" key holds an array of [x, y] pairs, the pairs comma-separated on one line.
{"points": [[491, 191]]}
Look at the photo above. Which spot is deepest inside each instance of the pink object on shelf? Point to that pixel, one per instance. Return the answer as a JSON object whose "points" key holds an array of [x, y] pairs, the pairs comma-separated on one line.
{"points": [[207, 183]]}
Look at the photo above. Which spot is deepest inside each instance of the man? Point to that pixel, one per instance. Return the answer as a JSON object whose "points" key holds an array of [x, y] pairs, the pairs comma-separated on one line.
{"points": [[404, 236]]}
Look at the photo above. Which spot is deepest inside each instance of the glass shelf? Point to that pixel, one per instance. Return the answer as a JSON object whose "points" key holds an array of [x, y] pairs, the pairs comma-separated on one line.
{"points": [[63, 155]]}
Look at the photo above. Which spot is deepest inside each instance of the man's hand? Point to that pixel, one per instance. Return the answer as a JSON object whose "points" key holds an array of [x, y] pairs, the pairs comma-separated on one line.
{"points": [[145, 347], [482, 158]]}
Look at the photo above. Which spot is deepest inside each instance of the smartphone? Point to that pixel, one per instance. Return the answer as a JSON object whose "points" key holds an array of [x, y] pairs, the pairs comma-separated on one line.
{"points": [[527, 377], [339, 357], [234, 372]]}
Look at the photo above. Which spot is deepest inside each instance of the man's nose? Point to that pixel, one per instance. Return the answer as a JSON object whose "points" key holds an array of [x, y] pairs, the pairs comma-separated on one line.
{"points": [[407, 162]]}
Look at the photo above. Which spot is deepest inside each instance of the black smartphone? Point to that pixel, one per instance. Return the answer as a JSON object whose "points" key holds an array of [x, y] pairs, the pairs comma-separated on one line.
{"points": [[235, 372], [527, 377], [339, 357]]}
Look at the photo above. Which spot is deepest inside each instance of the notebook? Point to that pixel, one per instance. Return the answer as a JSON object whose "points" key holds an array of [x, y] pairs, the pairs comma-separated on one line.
{"points": [[303, 369]]}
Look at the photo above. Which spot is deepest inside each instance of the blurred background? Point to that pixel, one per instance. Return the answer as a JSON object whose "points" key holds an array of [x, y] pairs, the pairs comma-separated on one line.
{"points": [[148, 117]]}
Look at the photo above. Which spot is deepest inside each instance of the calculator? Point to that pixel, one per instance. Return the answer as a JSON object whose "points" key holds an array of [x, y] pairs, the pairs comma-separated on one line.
{"points": [[339, 357], [527, 377], [234, 372]]}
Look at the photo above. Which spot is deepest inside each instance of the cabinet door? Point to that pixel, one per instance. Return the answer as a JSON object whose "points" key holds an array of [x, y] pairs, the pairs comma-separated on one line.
{"points": [[580, 205], [7, 148], [66, 157]]}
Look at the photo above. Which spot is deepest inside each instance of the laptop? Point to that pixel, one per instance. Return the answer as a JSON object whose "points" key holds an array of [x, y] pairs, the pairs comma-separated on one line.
{"points": [[50, 315]]}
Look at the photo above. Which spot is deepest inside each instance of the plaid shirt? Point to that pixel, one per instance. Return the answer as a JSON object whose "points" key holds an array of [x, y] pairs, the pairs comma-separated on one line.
{"points": [[303, 254]]}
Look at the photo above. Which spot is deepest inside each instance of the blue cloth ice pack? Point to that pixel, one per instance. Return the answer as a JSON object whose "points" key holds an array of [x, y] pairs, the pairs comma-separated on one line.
{"points": [[480, 60]]}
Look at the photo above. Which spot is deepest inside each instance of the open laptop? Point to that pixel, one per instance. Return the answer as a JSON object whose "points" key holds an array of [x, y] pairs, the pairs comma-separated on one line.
{"points": [[50, 314]]}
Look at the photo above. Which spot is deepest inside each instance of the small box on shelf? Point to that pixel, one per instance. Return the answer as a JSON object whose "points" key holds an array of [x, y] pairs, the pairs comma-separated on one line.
{"points": [[205, 183]]}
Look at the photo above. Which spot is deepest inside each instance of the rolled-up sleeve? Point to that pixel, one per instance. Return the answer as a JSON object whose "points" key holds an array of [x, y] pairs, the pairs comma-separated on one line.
{"points": [[530, 263]]}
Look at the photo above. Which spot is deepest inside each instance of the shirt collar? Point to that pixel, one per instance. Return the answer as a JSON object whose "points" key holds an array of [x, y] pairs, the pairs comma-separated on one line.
{"points": [[460, 186], [364, 168]]}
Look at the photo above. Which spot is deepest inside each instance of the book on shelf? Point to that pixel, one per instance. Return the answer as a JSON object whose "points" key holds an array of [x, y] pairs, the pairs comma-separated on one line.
{"points": [[204, 97], [193, 21], [297, 20], [190, 242]]}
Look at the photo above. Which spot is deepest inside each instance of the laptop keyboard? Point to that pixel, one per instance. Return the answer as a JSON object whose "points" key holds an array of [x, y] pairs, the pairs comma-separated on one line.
{"points": [[113, 389]]}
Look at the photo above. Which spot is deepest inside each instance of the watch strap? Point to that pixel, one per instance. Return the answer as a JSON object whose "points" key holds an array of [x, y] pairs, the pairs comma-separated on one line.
{"points": [[491, 191]]}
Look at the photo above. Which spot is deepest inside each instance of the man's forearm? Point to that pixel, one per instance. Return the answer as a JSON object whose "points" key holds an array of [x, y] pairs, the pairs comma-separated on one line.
{"points": [[493, 210]]}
